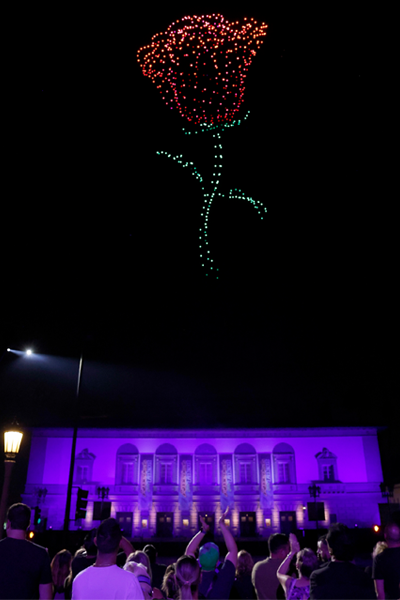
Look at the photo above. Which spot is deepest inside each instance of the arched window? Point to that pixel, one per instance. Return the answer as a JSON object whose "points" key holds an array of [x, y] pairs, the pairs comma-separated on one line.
{"points": [[245, 465], [126, 471], [327, 467], [206, 465], [166, 465], [284, 468], [83, 466]]}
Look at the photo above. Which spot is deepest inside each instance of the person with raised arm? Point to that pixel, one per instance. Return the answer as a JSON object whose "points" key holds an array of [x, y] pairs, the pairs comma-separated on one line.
{"points": [[263, 575], [306, 563], [217, 576]]}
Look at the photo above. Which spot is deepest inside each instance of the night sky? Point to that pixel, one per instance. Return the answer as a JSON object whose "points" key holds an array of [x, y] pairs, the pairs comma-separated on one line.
{"points": [[100, 234]]}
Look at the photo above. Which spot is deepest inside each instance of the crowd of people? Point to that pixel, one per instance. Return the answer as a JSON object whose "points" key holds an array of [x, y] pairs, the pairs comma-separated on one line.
{"points": [[107, 566]]}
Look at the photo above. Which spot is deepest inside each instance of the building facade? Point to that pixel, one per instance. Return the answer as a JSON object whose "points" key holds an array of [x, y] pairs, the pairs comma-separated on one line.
{"points": [[157, 482]]}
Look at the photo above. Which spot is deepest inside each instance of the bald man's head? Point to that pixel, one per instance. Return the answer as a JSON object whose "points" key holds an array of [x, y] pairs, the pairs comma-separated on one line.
{"points": [[392, 534]]}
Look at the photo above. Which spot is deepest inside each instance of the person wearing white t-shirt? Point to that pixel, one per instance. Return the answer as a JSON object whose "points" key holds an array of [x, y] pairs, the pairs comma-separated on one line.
{"points": [[104, 580]]}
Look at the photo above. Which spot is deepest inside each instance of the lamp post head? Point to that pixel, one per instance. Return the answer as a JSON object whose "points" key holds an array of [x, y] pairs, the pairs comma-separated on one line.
{"points": [[314, 490], [386, 491], [26, 352], [12, 444]]}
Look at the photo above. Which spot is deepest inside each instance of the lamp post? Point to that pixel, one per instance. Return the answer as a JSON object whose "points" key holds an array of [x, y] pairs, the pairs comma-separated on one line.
{"points": [[29, 352], [102, 493], [73, 449], [314, 491], [386, 491], [12, 443]]}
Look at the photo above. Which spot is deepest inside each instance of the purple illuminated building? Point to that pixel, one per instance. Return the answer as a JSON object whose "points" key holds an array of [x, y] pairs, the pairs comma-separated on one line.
{"points": [[160, 480]]}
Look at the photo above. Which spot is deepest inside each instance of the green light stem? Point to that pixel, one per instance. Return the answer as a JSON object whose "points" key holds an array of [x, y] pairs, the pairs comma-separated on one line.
{"points": [[205, 253]]}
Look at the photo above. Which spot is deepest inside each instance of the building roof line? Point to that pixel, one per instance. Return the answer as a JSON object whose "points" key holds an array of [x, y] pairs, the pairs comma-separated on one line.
{"points": [[95, 432]]}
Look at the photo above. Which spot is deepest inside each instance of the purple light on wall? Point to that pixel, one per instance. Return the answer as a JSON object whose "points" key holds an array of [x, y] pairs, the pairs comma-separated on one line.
{"points": [[49, 461], [50, 455]]}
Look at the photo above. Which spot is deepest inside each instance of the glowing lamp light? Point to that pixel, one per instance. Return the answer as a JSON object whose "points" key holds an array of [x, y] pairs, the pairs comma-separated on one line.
{"points": [[185, 522], [194, 54], [376, 528], [31, 535], [27, 352], [12, 443], [267, 522], [144, 523], [227, 522]]}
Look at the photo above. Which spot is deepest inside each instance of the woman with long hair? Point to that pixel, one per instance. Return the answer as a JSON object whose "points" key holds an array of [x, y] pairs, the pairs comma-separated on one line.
{"points": [[306, 562], [168, 587], [243, 588], [187, 577], [60, 569], [378, 548]]}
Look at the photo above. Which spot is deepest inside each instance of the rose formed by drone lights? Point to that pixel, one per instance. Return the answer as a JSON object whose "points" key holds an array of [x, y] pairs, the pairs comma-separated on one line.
{"points": [[200, 65]]}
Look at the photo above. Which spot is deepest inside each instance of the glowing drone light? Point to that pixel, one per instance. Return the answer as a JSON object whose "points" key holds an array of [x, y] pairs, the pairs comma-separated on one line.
{"points": [[199, 66]]}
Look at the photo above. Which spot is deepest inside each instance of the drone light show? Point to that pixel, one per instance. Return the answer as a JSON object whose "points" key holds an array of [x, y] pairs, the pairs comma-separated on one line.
{"points": [[199, 65]]}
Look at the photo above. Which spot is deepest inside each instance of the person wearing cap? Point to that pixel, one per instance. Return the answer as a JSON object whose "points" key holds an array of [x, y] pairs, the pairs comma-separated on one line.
{"points": [[216, 579], [143, 576]]}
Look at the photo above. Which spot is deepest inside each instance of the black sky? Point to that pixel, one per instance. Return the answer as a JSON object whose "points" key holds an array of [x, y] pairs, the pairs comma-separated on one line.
{"points": [[100, 235]]}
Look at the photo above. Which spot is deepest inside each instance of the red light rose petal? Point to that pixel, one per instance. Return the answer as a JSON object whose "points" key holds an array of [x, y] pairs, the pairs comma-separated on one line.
{"points": [[200, 63]]}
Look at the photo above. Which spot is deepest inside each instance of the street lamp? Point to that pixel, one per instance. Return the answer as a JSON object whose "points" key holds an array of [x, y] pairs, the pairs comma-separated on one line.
{"points": [[73, 450], [386, 491], [12, 444], [27, 352], [314, 491], [103, 492], [30, 352]]}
